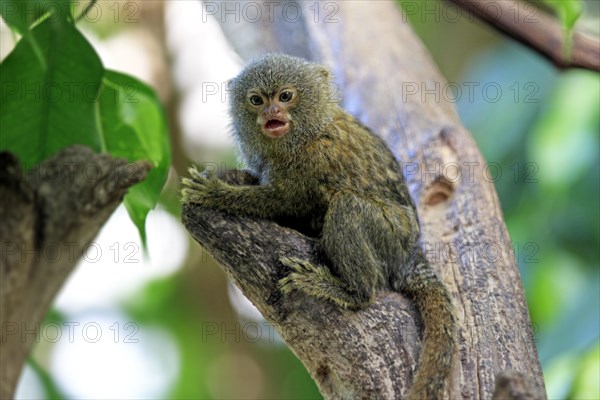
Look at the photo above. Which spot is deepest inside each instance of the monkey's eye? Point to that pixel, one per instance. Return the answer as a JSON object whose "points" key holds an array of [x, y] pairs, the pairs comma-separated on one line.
{"points": [[286, 96], [256, 100]]}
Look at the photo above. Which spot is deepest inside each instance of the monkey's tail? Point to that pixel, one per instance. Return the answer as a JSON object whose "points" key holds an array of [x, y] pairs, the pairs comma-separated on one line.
{"points": [[421, 283]]}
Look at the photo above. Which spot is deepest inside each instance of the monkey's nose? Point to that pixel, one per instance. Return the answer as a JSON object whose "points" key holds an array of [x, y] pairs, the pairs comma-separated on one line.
{"points": [[271, 110]]}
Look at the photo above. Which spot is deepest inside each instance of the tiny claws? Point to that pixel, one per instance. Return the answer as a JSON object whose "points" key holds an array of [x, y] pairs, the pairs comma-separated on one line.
{"points": [[191, 196], [288, 261], [195, 191], [193, 171], [299, 265], [289, 283], [187, 182], [286, 285], [193, 184], [208, 174], [302, 275], [200, 190], [294, 281], [197, 175]]}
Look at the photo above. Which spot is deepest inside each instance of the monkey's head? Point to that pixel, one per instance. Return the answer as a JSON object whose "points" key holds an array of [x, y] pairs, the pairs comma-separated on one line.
{"points": [[279, 100]]}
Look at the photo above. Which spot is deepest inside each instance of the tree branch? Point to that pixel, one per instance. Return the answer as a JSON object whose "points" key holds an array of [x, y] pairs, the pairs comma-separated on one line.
{"points": [[384, 74], [536, 29], [49, 217], [315, 330]]}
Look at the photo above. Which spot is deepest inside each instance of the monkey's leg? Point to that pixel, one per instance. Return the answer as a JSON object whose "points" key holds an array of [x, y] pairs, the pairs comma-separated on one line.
{"points": [[354, 272]]}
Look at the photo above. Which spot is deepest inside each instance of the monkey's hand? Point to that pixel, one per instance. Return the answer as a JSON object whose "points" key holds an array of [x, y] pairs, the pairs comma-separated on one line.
{"points": [[234, 177], [206, 190], [237, 177], [203, 189]]}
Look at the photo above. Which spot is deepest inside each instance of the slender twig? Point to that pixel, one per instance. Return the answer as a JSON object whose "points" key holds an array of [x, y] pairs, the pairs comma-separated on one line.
{"points": [[536, 29]]}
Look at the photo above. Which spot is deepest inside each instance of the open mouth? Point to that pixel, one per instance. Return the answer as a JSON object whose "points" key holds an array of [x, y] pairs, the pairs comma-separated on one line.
{"points": [[274, 124], [276, 128]]}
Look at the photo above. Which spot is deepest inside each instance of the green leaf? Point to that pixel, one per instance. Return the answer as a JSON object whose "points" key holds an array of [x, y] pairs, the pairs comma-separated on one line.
{"points": [[133, 126], [21, 14], [569, 12], [51, 105], [66, 98]]}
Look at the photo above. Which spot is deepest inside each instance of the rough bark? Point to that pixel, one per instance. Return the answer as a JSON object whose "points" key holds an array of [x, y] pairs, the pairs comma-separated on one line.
{"points": [[378, 62], [49, 217]]}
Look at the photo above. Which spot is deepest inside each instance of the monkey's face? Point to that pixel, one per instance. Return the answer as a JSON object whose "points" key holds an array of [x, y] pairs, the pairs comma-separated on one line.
{"points": [[273, 110], [278, 103]]}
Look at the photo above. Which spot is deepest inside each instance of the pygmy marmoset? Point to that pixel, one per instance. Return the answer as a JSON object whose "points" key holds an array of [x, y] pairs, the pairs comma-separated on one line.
{"points": [[316, 163]]}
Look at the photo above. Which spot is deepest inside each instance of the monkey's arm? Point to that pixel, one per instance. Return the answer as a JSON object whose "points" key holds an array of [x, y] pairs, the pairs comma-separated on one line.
{"points": [[235, 177], [265, 202]]}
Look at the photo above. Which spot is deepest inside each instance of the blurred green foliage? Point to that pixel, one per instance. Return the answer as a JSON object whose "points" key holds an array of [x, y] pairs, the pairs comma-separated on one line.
{"points": [[221, 355], [542, 130], [543, 133]]}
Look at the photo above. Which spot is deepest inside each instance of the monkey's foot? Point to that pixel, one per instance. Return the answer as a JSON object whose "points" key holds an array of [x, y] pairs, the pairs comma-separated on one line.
{"points": [[301, 275], [318, 281]]}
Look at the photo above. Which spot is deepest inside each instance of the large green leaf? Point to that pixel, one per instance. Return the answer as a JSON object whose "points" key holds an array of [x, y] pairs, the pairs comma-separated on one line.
{"points": [[66, 98], [48, 107], [133, 126]]}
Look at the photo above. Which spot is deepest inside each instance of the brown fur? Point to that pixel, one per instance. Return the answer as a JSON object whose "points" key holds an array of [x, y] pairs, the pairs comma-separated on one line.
{"points": [[332, 173]]}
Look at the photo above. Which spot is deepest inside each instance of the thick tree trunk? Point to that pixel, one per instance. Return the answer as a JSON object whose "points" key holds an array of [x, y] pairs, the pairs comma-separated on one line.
{"points": [[48, 219], [390, 83]]}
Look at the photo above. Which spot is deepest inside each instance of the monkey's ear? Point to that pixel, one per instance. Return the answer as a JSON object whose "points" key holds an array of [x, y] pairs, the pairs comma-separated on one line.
{"points": [[231, 83], [324, 73]]}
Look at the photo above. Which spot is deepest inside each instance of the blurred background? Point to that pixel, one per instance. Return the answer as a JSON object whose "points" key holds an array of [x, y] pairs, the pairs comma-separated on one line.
{"points": [[168, 324]]}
